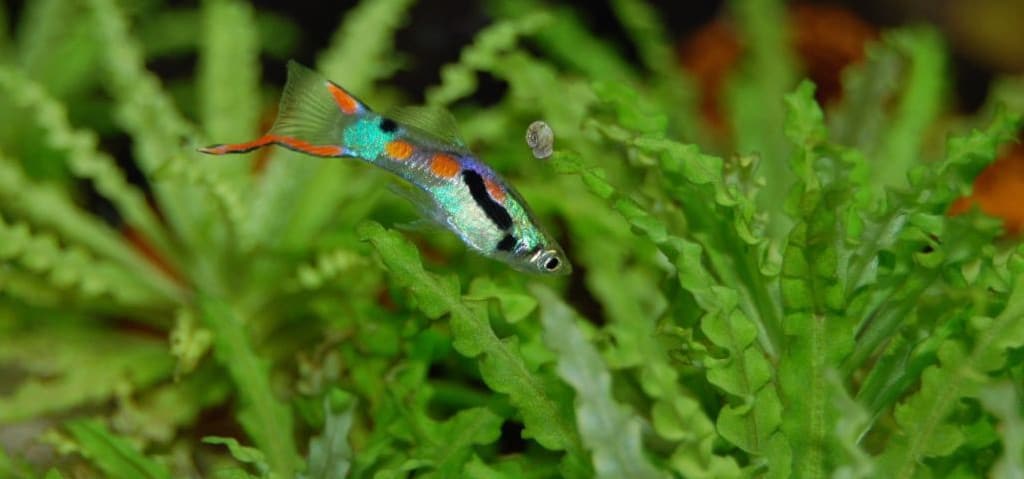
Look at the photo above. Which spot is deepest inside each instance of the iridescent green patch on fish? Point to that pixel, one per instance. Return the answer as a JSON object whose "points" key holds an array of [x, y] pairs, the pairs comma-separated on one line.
{"points": [[366, 139], [422, 146]]}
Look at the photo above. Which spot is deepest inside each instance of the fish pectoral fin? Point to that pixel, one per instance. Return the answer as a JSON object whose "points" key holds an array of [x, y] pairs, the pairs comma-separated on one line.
{"points": [[421, 225], [424, 204]]}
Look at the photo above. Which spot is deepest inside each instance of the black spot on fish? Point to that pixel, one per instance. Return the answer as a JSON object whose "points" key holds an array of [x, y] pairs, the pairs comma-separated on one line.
{"points": [[508, 243], [387, 125], [497, 213]]}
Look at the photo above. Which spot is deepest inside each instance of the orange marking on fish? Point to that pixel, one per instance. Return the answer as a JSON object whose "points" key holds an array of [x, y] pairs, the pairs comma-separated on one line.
{"points": [[239, 147], [348, 105], [398, 149], [495, 191], [287, 141], [307, 147], [444, 166]]}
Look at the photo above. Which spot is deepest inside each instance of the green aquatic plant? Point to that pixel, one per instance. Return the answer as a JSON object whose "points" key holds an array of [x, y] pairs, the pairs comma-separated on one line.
{"points": [[793, 303]]}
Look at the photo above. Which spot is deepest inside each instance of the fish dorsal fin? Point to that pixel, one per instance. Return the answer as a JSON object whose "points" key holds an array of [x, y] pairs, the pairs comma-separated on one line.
{"points": [[314, 109], [434, 122]]}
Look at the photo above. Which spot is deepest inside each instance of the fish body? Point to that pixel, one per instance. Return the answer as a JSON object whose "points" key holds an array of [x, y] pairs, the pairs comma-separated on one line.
{"points": [[457, 190]]}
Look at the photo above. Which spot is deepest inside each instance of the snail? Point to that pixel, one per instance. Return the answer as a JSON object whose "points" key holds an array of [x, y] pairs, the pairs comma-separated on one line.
{"points": [[540, 138]]}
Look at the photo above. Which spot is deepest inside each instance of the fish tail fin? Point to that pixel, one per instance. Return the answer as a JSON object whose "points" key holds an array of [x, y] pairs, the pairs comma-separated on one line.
{"points": [[311, 117]]}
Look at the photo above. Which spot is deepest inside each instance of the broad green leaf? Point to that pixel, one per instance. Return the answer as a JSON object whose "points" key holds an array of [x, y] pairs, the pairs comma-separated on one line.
{"points": [[501, 364], [142, 106], [433, 295], [232, 473], [893, 232], [13, 467], [515, 306], [458, 79], [58, 379], [745, 373], [330, 455], [787, 297], [243, 454], [361, 50], [228, 78], [477, 469], [160, 413], [267, 421], [647, 31], [630, 110], [609, 430], [51, 208], [70, 271], [862, 116], [754, 99], [328, 266], [1003, 400], [112, 454], [689, 173], [923, 417], [202, 208], [918, 107], [177, 31], [52, 51], [299, 195], [452, 445], [817, 332], [189, 342], [82, 157], [568, 41], [228, 81], [849, 459]]}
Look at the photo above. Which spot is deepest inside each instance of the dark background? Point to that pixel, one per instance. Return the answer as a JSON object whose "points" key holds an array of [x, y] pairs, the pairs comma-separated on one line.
{"points": [[439, 28]]}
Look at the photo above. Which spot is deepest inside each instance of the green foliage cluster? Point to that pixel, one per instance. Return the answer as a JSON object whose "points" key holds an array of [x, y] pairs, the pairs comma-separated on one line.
{"points": [[794, 303]]}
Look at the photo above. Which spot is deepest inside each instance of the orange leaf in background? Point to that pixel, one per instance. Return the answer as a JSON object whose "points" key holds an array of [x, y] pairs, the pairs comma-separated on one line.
{"points": [[710, 55], [143, 246], [999, 191], [826, 39], [262, 158]]}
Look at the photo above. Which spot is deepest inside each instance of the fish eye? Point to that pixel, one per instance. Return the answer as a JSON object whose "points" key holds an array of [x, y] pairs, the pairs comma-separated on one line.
{"points": [[552, 264]]}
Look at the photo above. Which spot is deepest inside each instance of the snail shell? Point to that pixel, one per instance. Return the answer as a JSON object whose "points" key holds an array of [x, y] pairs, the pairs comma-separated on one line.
{"points": [[540, 138]]}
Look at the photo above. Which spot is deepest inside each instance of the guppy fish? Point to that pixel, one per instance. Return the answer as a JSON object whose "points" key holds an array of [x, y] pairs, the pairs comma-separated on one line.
{"points": [[453, 187]]}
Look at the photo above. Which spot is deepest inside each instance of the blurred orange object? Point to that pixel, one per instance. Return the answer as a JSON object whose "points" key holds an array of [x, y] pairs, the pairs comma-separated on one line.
{"points": [[144, 247], [262, 157], [710, 55], [999, 190], [826, 39]]}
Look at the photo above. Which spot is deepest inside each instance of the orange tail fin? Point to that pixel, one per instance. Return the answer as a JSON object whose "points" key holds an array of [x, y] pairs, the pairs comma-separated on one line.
{"points": [[311, 119]]}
